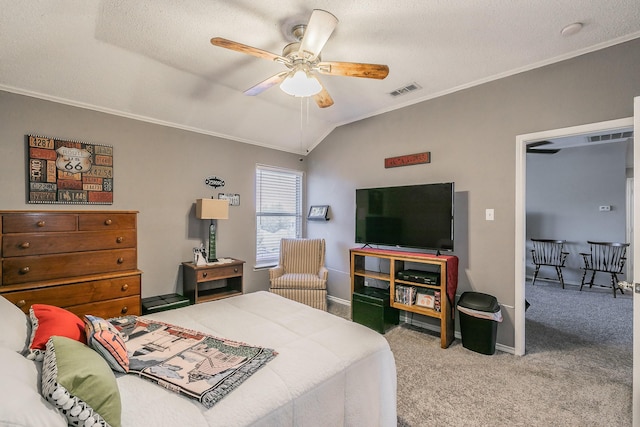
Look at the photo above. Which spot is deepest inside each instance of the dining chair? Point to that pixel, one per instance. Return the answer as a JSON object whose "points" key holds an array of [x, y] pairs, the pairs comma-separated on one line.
{"points": [[605, 257], [551, 253]]}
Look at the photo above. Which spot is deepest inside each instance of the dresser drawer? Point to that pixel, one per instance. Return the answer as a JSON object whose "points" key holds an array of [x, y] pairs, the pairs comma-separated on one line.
{"points": [[107, 309], [218, 273], [77, 293], [14, 245], [106, 221], [38, 222], [47, 267]]}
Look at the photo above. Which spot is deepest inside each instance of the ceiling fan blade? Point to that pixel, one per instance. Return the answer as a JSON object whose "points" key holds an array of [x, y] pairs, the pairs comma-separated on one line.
{"points": [[353, 69], [543, 151], [319, 29], [531, 148], [266, 84], [538, 144], [322, 98], [243, 48]]}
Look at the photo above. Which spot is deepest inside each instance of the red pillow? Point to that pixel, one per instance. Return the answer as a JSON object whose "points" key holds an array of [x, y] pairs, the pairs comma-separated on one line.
{"points": [[48, 320]]}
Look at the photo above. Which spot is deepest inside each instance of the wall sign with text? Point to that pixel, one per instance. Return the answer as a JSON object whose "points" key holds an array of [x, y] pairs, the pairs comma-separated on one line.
{"points": [[407, 160], [234, 199], [69, 172]]}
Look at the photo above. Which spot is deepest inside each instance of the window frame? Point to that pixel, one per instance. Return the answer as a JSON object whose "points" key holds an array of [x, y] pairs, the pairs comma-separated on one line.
{"points": [[297, 188]]}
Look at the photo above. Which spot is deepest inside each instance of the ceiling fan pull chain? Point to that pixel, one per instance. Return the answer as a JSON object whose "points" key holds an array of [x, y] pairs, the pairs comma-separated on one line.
{"points": [[307, 143]]}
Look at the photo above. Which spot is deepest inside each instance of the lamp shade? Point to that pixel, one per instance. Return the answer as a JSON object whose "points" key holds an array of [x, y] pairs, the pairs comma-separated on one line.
{"points": [[212, 209]]}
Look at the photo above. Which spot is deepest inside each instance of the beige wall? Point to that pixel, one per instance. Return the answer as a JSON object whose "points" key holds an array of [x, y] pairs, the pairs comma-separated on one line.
{"points": [[158, 171], [471, 135]]}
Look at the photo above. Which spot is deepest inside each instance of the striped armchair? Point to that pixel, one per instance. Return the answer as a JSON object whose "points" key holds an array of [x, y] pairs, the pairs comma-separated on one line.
{"points": [[300, 274]]}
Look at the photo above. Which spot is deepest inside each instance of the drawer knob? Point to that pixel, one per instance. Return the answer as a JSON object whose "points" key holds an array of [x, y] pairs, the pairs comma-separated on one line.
{"points": [[120, 260], [125, 287], [107, 222], [235, 270], [25, 245], [204, 274], [24, 270], [21, 303], [41, 223], [119, 239], [124, 309]]}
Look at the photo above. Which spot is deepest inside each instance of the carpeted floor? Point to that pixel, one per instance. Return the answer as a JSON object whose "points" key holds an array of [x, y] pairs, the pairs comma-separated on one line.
{"points": [[577, 370]]}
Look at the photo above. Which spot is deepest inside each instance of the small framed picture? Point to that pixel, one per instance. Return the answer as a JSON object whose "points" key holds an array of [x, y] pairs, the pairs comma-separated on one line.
{"points": [[425, 300], [318, 212]]}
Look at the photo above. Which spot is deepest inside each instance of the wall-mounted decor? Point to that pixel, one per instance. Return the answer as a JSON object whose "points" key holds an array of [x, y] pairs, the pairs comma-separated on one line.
{"points": [[407, 160], [319, 213], [234, 199], [214, 182], [68, 172]]}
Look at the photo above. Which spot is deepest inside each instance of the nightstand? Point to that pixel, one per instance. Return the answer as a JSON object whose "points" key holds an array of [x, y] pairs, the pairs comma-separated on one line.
{"points": [[212, 281]]}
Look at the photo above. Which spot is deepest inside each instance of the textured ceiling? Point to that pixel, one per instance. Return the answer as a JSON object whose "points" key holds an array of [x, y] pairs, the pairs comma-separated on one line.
{"points": [[152, 59]]}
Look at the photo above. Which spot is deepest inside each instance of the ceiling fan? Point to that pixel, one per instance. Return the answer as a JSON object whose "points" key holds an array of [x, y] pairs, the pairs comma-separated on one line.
{"points": [[531, 148], [302, 59]]}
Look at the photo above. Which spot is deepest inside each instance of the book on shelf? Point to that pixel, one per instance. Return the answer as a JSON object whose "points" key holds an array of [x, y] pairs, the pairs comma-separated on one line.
{"points": [[437, 303]]}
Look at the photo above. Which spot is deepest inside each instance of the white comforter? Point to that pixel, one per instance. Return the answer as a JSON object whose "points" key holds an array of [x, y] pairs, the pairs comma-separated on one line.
{"points": [[328, 372]]}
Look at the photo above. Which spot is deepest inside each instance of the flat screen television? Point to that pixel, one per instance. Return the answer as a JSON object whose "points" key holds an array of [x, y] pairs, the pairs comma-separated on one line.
{"points": [[412, 216]]}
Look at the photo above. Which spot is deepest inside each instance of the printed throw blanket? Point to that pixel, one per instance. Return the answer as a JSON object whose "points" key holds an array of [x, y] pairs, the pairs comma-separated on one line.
{"points": [[188, 362]]}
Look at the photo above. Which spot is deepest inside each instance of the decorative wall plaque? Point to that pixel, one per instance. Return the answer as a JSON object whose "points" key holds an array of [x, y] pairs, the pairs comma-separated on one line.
{"points": [[409, 159], [69, 172], [214, 182], [234, 199]]}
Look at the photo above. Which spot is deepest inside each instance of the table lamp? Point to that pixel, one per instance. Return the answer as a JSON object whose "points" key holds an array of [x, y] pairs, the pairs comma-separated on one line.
{"points": [[213, 209]]}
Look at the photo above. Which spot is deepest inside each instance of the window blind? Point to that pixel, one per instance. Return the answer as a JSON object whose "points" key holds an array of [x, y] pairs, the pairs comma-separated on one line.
{"points": [[278, 211]]}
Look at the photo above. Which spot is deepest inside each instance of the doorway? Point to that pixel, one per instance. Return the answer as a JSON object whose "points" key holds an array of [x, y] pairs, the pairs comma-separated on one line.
{"points": [[520, 242]]}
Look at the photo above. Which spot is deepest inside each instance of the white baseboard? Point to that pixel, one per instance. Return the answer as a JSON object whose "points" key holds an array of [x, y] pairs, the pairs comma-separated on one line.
{"points": [[339, 300], [423, 325], [456, 334]]}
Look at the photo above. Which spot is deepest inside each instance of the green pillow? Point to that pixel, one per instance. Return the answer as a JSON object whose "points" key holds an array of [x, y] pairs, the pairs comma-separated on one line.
{"points": [[80, 384]]}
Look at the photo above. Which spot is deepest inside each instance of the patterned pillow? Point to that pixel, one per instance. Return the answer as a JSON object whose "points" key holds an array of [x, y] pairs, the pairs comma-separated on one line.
{"points": [[104, 338], [80, 384], [48, 320]]}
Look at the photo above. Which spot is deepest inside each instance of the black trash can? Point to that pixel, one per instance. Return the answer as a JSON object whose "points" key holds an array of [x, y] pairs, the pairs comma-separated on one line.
{"points": [[479, 317]]}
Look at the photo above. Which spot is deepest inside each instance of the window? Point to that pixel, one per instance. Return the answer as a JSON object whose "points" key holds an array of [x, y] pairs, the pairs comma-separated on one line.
{"points": [[278, 211]]}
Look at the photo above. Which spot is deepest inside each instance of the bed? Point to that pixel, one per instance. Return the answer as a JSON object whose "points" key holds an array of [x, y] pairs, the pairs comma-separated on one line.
{"points": [[328, 371]]}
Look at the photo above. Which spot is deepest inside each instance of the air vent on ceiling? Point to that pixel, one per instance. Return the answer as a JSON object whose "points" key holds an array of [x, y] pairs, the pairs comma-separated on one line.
{"points": [[406, 89], [611, 136]]}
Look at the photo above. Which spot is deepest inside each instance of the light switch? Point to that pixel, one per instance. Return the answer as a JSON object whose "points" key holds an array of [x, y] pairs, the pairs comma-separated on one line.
{"points": [[489, 215]]}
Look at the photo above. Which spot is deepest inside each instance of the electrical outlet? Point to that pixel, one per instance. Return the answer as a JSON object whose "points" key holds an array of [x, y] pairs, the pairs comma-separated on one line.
{"points": [[605, 208], [366, 283]]}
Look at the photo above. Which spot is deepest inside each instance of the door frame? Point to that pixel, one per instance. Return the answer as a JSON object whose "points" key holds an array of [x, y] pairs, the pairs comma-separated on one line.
{"points": [[635, 408], [520, 214]]}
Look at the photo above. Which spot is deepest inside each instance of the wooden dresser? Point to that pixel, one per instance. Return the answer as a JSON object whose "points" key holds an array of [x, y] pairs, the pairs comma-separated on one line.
{"points": [[84, 261]]}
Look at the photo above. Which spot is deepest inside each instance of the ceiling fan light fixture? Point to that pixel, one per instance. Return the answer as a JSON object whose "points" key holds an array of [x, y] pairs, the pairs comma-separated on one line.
{"points": [[300, 84]]}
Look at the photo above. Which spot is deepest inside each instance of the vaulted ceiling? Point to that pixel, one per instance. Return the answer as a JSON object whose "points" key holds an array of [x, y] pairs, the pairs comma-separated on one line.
{"points": [[152, 59]]}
